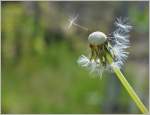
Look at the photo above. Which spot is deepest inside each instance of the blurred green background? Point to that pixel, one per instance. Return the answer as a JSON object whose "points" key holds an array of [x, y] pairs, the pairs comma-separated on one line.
{"points": [[39, 69]]}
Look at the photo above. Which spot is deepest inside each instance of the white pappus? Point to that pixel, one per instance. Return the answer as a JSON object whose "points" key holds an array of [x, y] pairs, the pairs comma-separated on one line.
{"points": [[122, 42], [116, 45]]}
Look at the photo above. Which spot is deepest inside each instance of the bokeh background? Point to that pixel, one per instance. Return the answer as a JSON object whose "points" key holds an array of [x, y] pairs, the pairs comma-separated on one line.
{"points": [[39, 69]]}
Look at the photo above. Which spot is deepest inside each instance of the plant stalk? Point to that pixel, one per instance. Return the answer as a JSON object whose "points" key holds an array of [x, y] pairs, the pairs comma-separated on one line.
{"points": [[127, 86]]}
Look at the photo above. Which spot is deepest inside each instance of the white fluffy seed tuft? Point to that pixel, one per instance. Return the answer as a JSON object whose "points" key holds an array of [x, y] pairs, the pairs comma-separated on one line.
{"points": [[83, 61], [121, 40]]}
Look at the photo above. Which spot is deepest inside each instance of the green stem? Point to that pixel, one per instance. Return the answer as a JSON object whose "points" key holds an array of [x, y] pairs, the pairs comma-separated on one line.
{"points": [[127, 86]]}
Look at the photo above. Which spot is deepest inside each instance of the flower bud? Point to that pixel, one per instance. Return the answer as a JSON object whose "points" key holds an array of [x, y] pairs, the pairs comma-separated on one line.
{"points": [[97, 38]]}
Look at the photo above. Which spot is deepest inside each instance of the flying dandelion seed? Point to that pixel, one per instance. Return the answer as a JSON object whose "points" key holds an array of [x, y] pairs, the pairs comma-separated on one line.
{"points": [[72, 22], [99, 43]]}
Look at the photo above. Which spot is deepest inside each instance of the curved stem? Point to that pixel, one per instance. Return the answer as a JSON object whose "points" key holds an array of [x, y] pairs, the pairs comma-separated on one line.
{"points": [[127, 86]]}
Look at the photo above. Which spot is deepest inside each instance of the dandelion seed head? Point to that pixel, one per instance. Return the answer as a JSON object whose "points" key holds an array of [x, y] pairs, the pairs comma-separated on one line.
{"points": [[97, 38], [100, 45]]}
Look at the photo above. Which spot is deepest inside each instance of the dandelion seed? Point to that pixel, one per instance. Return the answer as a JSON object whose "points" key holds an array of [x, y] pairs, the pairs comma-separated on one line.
{"points": [[72, 22], [83, 61], [96, 68], [123, 24], [121, 37]]}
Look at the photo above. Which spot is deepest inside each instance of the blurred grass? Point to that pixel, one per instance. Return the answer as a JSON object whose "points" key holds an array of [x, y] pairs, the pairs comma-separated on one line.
{"points": [[39, 69], [54, 80]]}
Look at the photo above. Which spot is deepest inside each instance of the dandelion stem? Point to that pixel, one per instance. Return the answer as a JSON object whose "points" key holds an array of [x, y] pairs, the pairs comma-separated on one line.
{"points": [[127, 86]]}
